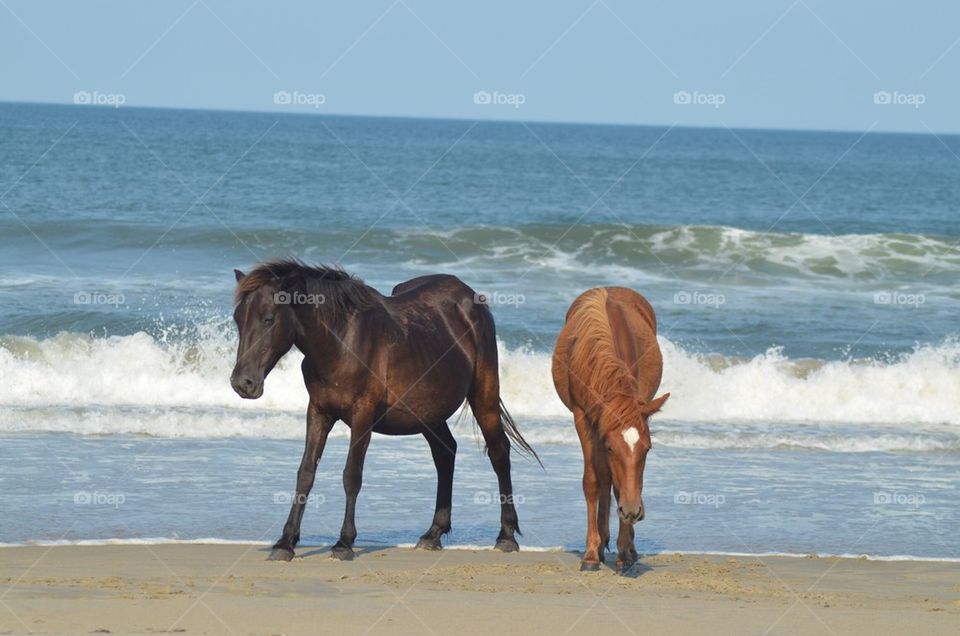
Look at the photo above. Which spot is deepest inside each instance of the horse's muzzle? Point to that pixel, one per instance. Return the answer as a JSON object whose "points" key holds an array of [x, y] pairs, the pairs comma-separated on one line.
{"points": [[246, 387]]}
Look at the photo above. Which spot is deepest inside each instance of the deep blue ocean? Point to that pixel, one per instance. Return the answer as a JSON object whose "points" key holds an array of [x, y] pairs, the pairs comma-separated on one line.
{"points": [[806, 286]]}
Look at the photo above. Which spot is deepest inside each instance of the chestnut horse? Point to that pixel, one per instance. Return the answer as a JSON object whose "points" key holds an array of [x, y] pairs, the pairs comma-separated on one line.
{"points": [[397, 365], [606, 368]]}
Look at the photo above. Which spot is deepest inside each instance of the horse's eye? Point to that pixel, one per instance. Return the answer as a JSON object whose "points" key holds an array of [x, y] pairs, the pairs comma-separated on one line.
{"points": [[268, 320]]}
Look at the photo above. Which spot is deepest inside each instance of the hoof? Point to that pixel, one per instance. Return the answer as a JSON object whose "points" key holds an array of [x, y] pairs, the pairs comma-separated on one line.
{"points": [[426, 543], [507, 545], [589, 566], [341, 553], [624, 566], [280, 554]]}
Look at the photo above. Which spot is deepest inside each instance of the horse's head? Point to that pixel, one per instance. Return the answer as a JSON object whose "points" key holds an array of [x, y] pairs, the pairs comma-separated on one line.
{"points": [[626, 441], [267, 326]]}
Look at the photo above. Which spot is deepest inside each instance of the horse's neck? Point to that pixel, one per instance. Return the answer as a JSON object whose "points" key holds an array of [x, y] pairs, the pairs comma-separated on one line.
{"points": [[318, 339], [326, 339]]}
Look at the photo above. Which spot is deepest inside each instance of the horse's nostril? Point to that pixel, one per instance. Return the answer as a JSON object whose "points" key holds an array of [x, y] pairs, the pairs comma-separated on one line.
{"points": [[243, 385]]}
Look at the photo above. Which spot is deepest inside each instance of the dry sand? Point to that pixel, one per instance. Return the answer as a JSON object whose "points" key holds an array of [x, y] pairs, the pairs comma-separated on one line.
{"points": [[230, 589]]}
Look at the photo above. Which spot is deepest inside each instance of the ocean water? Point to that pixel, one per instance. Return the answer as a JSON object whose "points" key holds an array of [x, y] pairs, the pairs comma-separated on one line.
{"points": [[805, 285]]}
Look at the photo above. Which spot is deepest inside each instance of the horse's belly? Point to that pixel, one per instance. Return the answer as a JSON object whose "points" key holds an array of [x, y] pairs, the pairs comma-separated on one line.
{"points": [[410, 416], [385, 427], [429, 391]]}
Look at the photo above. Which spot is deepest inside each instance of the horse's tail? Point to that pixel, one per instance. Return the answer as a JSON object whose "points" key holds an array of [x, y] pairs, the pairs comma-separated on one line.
{"points": [[513, 432], [487, 382]]}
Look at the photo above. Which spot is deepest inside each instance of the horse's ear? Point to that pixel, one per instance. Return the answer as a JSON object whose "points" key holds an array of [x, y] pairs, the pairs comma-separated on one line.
{"points": [[238, 274], [653, 406]]}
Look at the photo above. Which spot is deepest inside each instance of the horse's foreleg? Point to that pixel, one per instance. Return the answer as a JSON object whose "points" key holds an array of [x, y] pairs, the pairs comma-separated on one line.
{"points": [[443, 447], [626, 550], [593, 552], [603, 507], [361, 428], [318, 427]]}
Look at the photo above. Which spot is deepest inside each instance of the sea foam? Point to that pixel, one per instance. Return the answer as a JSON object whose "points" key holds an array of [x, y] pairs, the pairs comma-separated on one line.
{"points": [[146, 384]]}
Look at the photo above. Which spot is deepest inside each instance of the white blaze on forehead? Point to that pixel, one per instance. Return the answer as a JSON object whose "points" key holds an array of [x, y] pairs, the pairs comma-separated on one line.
{"points": [[631, 436]]}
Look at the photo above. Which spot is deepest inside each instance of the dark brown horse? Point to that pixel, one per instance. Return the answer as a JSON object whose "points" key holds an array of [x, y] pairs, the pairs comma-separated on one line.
{"points": [[397, 365], [606, 368]]}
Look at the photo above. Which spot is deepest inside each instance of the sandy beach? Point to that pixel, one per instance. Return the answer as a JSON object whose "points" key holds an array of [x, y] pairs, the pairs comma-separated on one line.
{"points": [[230, 589]]}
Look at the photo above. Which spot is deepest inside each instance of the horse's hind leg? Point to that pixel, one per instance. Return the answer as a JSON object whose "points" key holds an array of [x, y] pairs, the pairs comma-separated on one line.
{"points": [[484, 398], [444, 449]]}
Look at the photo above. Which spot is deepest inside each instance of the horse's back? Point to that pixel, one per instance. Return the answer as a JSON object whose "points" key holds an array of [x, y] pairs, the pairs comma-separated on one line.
{"points": [[634, 303], [632, 326], [430, 369], [433, 286], [444, 304], [427, 282]]}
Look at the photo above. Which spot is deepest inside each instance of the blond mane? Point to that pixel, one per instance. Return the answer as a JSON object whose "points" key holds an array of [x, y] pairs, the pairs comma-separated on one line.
{"points": [[613, 389]]}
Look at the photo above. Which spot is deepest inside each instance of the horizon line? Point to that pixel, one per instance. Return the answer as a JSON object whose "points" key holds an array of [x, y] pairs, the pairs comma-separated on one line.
{"points": [[559, 122]]}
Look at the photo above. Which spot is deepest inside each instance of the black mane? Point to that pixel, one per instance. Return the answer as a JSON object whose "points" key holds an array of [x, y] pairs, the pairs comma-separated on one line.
{"points": [[341, 293]]}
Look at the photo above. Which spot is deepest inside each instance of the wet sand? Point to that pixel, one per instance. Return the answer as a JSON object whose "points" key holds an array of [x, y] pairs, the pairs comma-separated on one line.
{"points": [[231, 589]]}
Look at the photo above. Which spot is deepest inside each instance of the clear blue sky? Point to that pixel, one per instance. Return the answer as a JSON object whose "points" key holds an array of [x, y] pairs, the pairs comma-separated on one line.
{"points": [[772, 63]]}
